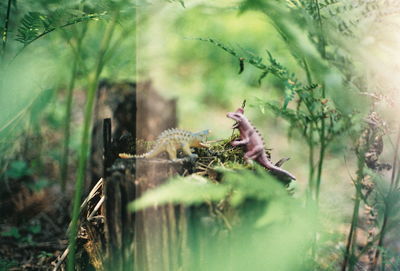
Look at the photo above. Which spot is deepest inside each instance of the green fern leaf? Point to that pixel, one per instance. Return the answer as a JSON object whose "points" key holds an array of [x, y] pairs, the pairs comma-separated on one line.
{"points": [[35, 24]]}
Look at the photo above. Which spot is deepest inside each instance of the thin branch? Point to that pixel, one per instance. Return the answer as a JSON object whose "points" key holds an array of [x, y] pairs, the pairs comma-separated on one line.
{"points": [[5, 31], [349, 252], [68, 109], [61, 259], [96, 208], [393, 186]]}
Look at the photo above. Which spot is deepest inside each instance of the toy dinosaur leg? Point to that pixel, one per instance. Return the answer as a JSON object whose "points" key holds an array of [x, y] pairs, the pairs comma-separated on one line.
{"points": [[240, 142], [154, 153], [171, 152], [186, 149], [253, 154]]}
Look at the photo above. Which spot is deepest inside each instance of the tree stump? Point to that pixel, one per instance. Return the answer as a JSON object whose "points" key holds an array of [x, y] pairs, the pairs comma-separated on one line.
{"points": [[135, 109], [160, 230], [150, 240]]}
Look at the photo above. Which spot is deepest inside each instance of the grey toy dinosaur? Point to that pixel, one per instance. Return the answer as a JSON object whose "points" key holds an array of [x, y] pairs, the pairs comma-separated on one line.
{"points": [[171, 140]]}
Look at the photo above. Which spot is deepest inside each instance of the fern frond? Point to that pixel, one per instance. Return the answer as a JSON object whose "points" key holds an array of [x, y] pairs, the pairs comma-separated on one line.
{"points": [[181, 2], [262, 76], [246, 56], [295, 117], [328, 3], [31, 26], [289, 79], [35, 25], [194, 190]]}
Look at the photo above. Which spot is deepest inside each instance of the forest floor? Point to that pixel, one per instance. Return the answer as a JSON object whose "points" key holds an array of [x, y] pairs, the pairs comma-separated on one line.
{"points": [[33, 235]]}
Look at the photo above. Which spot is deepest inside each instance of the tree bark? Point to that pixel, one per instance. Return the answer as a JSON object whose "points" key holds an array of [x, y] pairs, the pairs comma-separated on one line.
{"points": [[152, 239]]}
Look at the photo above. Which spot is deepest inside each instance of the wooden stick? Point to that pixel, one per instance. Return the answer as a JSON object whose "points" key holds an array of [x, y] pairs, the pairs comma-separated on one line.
{"points": [[61, 259], [96, 208]]}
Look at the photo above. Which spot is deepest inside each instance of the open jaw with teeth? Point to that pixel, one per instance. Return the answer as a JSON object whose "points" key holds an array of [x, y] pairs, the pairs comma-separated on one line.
{"points": [[236, 117], [235, 125]]}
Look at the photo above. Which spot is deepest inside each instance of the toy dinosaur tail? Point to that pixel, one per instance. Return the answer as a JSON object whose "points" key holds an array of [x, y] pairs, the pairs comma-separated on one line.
{"points": [[128, 156], [275, 170], [151, 154]]}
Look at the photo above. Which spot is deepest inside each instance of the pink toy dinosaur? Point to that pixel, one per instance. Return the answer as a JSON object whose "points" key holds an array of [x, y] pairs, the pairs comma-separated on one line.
{"points": [[251, 138]]}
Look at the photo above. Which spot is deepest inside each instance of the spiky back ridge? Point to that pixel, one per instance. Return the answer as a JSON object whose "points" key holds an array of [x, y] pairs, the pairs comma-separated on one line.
{"points": [[255, 130], [172, 136]]}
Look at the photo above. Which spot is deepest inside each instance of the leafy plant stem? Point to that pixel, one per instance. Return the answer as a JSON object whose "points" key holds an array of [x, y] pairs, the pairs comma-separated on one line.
{"points": [[308, 73], [68, 110], [393, 186], [381, 239], [320, 161], [311, 162], [85, 141], [395, 180], [349, 252], [5, 31], [322, 38], [322, 130]]}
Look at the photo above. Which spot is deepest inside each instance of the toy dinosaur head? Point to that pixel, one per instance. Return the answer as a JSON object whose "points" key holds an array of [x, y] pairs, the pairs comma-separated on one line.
{"points": [[236, 116], [199, 139]]}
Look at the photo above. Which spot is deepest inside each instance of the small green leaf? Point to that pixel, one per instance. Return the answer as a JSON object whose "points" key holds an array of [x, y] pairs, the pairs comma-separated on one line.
{"points": [[45, 254], [38, 185], [262, 109], [12, 232], [18, 169], [35, 229]]}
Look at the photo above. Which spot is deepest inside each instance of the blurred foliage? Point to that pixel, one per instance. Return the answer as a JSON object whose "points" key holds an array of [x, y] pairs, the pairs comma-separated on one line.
{"points": [[6, 264], [23, 234], [17, 170], [276, 229], [32, 78]]}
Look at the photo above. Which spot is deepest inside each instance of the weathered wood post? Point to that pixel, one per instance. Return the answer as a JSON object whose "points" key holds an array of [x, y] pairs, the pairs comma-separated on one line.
{"points": [[119, 190], [150, 240], [160, 231], [155, 238]]}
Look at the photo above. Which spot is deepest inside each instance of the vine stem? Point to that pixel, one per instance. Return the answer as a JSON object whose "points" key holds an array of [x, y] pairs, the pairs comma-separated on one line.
{"points": [[394, 181], [321, 159], [322, 130], [85, 141], [311, 163], [310, 141], [349, 252], [322, 38], [68, 108], [5, 31], [393, 187]]}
